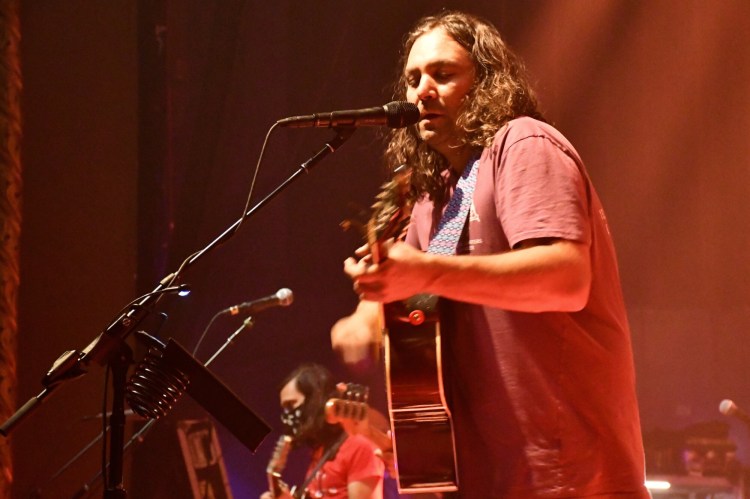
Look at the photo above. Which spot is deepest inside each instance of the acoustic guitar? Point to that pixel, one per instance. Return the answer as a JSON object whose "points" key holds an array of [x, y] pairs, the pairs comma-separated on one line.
{"points": [[421, 424]]}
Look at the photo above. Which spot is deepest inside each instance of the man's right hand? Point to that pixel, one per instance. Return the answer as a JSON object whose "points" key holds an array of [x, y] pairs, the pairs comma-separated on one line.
{"points": [[356, 337]]}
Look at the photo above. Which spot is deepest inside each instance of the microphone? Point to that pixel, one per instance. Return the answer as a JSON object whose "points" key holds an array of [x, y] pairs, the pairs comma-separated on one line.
{"points": [[396, 114], [729, 408], [282, 298]]}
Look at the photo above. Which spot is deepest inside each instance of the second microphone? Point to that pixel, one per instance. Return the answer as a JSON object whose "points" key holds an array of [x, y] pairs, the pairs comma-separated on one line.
{"points": [[282, 298]]}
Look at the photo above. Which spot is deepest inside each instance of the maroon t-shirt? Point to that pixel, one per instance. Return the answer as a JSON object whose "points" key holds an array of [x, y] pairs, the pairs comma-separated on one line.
{"points": [[544, 404]]}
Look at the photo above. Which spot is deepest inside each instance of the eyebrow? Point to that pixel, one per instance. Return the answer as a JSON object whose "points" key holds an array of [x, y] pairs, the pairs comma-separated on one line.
{"points": [[434, 64]]}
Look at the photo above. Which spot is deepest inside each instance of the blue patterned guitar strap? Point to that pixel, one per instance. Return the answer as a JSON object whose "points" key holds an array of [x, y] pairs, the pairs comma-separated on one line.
{"points": [[451, 226]]}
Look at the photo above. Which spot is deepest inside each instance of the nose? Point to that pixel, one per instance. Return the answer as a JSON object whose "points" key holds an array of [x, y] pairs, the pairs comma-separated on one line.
{"points": [[426, 89]]}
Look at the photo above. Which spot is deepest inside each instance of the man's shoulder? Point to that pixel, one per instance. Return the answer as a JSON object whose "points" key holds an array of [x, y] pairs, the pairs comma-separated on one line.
{"points": [[522, 128]]}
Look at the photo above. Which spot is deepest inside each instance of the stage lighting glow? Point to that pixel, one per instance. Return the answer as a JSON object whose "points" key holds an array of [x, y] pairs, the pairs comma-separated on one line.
{"points": [[658, 485]]}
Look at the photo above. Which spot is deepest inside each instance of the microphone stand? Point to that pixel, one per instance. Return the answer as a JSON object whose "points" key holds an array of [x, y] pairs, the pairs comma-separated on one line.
{"points": [[110, 348], [137, 436], [246, 323]]}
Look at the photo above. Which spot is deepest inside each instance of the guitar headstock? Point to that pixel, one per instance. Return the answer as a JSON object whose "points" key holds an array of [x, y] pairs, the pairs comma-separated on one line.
{"points": [[351, 410], [349, 406], [390, 212]]}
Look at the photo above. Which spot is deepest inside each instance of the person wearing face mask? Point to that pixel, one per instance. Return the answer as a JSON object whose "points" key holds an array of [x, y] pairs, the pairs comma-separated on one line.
{"points": [[343, 464], [508, 231]]}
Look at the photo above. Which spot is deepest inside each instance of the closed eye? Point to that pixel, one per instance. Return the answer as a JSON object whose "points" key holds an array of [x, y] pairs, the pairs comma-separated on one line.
{"points": [[443, 76]]}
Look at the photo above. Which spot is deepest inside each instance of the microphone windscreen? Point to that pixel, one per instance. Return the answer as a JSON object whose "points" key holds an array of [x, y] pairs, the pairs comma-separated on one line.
{"points": [[285, 297], [399, 114], [727, 407]]}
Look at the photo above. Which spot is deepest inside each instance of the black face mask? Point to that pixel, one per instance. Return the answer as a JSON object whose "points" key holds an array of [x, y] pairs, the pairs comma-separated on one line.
{"points": [[292, 419]]}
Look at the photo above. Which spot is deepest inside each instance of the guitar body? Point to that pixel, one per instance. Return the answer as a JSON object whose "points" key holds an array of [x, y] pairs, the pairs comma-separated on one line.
{"points": [[421, 424]]}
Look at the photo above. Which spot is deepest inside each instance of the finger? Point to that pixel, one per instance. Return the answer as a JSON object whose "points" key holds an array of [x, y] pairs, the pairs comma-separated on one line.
{"points": [[373, 275], [359, 290], [368, 284], [353, 268], [373, 269], [374, 294], [362, 251]]}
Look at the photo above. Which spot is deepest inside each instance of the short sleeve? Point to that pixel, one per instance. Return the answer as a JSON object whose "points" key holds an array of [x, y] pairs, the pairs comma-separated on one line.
{"points": [[542, 193]]}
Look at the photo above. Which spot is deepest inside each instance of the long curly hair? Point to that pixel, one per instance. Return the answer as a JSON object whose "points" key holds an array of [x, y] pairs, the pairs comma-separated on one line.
{"points": [[501, 92], [316, 383]]}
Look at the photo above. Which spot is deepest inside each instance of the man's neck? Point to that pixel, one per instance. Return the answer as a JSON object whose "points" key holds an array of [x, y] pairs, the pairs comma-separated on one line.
{"points": [[459, 157]]}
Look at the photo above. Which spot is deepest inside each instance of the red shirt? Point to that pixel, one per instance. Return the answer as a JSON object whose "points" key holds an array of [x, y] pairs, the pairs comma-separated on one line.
{"points": [[355, 461]]}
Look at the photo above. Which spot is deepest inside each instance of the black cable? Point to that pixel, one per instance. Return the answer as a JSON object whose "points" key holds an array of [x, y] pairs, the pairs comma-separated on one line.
{"points": [[203, 335], [104, 423]]}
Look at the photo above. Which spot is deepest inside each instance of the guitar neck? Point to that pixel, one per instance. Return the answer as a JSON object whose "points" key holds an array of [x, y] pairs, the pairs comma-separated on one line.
{"points": [[276, 465], [380, 438]]}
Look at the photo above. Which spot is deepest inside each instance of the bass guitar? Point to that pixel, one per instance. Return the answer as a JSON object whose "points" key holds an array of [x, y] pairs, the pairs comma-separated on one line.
{"points": [[351, 410]]}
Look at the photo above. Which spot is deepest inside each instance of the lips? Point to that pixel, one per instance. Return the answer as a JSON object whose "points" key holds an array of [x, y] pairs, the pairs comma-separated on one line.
{"points": [[430, 116]]}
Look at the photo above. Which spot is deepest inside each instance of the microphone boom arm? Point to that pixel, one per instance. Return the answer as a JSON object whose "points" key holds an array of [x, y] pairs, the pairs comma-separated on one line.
{"points": [[342, 135]]}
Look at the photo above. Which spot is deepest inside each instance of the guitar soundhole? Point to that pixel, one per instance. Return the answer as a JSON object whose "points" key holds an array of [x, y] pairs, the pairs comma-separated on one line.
{"points": [[416, 317]]}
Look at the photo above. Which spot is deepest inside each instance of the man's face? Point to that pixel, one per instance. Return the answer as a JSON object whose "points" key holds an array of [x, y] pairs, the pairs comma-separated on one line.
{"points": [[439, 74]]}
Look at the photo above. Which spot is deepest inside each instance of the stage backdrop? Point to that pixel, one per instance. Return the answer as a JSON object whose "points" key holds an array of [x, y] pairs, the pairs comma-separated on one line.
{"points": [[654, 95]]}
